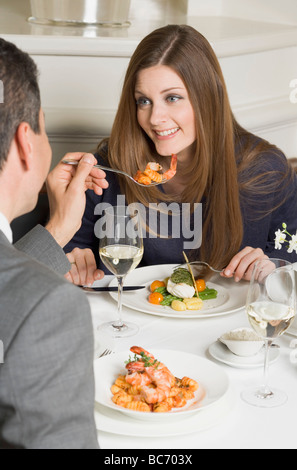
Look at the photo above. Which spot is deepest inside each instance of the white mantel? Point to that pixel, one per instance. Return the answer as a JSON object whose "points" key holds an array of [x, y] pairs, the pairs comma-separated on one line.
{"points": [[81, 69]]}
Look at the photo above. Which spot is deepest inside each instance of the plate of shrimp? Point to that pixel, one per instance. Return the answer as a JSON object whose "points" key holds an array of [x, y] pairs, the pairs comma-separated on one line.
{"points": [[231, 295], [144, 388]]}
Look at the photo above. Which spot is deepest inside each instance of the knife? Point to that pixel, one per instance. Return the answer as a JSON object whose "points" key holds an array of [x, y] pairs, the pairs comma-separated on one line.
{"points": [[110, 289]]}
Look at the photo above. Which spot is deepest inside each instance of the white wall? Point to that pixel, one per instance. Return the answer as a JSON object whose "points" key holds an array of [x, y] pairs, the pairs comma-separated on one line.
{"points": [[274, 11], [82, 70]]}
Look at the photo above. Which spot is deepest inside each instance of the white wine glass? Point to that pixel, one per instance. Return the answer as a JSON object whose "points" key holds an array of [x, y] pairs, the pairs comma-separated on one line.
{"points": [[121, 250], [271, 309]]}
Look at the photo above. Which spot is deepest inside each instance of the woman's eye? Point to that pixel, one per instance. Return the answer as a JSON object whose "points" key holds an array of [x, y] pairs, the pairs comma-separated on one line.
{"points": [[143, 102], [173, 98]]}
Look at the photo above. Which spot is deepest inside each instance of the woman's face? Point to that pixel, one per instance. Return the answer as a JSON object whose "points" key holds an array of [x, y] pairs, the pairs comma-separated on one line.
{"points": [[164, 111]]}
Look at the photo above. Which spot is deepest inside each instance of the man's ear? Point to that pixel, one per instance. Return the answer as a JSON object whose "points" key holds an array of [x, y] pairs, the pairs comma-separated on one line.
{"points": [[23, 138]]}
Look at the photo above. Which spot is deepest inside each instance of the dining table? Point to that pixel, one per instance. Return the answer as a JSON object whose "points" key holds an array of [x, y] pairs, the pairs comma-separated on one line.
{"points": [[231, 423]]}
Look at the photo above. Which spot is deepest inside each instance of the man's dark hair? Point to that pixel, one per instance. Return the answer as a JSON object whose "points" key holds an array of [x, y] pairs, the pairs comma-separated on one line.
{"points": [[21, 95]]}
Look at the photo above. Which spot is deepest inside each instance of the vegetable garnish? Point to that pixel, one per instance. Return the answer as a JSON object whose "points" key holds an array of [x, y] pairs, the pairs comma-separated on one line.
{"points": [[156, 297], [147, 361], [156, 284], [206, 294], [201, 286], [167, 297], [177, 290], [181, 275]]}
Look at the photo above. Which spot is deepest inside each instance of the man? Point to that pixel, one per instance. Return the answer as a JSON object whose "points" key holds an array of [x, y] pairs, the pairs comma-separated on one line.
{"points": [[46, 379]]}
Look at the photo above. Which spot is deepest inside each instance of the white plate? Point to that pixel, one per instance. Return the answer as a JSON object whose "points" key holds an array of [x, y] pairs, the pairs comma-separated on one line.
{"points": [[231, 295], [213, 382], [221, 353], [113, 422]]}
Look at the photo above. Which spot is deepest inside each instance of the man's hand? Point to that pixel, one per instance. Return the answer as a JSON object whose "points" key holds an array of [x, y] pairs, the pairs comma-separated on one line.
{"points": [[83, 267], [66, 186]]}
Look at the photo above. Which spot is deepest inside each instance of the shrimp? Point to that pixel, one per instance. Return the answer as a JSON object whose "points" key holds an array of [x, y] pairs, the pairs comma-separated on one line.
{"points": [[153, 166], [137, 376], [151, 172], [172, 170], [158, 373], [137, 379], [142, 178], [150, 386]]}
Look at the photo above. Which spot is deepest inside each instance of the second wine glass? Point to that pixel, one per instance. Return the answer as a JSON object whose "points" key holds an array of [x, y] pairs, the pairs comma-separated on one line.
{"points": [[271, 308], [121, 250]]}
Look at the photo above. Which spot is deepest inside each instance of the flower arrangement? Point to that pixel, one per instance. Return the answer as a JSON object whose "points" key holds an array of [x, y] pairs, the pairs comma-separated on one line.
{"points": [[281, 238]]}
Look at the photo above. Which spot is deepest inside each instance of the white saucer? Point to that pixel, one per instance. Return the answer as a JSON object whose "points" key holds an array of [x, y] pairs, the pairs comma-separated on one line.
{"points": [[221, 353]]}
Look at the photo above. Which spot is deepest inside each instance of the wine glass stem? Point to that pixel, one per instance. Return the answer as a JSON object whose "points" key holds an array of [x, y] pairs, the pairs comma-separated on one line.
{"points": [[266, 392], [119, 323]]}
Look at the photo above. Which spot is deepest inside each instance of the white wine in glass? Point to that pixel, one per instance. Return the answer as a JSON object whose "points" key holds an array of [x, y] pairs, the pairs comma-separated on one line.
{"points": [[271, 309], [121, 250], [120, 259]]}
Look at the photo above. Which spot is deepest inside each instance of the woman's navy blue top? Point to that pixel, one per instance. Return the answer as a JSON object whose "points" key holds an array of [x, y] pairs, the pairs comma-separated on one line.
{"points": [[260, 224]]}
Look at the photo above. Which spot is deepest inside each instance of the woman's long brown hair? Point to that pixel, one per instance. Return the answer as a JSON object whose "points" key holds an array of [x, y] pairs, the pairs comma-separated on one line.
{"points": [[212, 174]]}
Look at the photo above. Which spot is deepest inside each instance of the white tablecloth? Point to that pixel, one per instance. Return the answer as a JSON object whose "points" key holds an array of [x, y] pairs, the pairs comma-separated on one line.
{"points": [[244, 426]]}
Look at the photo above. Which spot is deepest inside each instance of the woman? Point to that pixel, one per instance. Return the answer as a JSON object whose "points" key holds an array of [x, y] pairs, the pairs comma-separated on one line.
{"points": [[174, 101]]}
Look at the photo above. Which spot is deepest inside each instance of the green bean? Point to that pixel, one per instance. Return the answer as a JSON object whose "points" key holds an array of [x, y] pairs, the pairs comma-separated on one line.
{"points": [[208, 294], [162, 290], [168, 299]]}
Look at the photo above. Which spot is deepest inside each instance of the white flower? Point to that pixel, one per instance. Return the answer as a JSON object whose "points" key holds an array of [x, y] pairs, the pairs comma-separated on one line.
{"points": [[293, 244], [280, 237]]}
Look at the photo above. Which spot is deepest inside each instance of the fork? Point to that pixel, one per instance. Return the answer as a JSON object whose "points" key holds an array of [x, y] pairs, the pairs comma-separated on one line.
{"points": [[105, 168], [106, 352], [204, 264]]}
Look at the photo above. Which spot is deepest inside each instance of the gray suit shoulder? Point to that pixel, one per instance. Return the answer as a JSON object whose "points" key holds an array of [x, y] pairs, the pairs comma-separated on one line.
{"points": [[40, 245]]}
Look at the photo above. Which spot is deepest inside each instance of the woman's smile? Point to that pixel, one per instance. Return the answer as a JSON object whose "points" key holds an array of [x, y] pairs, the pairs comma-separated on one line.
{"points": [[167, 134]]}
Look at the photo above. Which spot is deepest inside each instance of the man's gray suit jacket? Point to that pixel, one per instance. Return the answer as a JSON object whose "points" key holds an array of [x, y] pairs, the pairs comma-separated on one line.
{"points": [[46, 379]]}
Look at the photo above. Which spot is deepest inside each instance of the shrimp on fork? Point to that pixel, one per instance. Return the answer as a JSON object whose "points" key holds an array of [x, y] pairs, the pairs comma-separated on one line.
{"points": [[142, 178], [151, 172], [172, 170]]}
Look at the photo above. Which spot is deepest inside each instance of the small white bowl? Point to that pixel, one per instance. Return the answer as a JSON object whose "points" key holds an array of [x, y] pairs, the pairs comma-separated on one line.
{"points": [[242, 342]]}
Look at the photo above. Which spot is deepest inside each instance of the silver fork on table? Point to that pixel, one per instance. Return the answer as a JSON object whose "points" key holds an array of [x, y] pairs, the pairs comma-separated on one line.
{"points": [[106, 352]]}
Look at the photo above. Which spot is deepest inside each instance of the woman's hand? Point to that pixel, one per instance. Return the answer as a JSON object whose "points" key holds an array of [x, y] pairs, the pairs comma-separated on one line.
{"points": [[83, 270], [241, 265]]}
